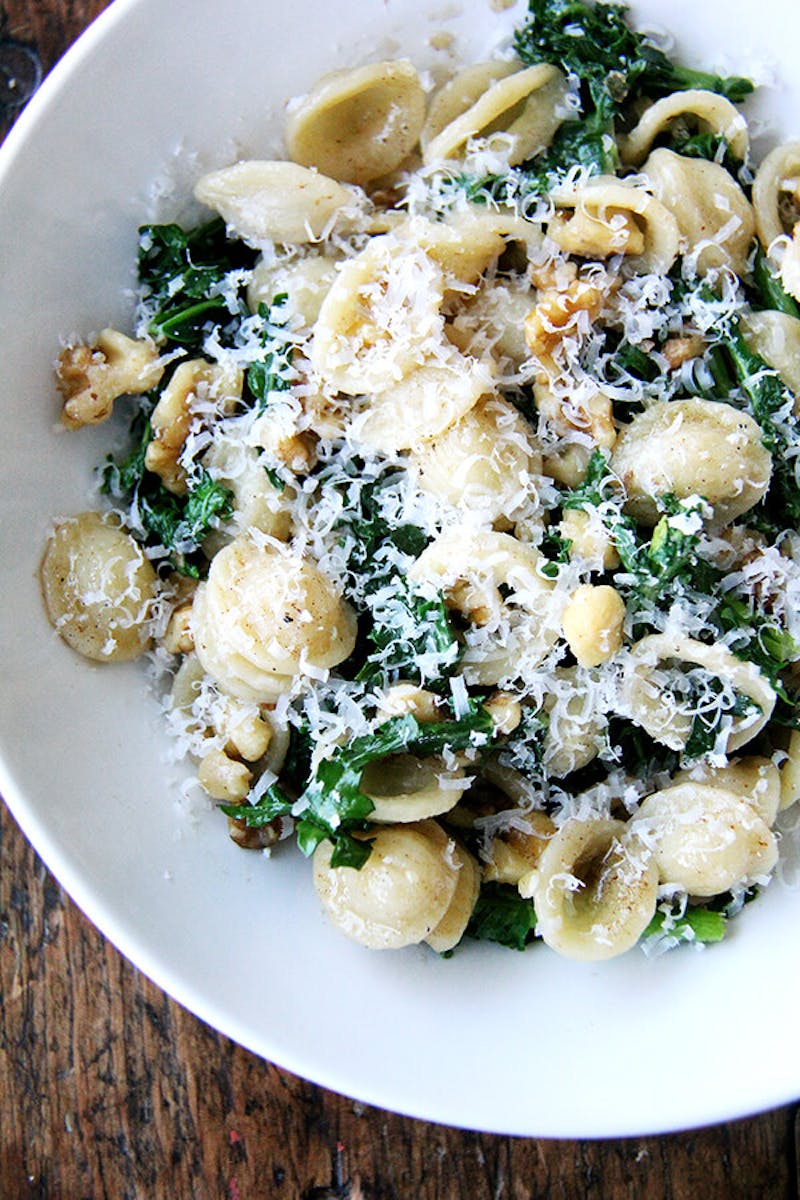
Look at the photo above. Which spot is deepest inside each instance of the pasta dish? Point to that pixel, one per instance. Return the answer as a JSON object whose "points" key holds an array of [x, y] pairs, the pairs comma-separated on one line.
{"points": [[458, 516]]}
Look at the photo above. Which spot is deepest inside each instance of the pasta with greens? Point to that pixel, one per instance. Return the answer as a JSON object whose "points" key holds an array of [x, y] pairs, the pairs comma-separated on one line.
{"points": [[460, 510]]}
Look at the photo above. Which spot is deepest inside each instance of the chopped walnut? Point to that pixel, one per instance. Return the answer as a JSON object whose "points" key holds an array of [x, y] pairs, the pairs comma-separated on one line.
{"points": [[679, 350], [593, 415], [91, 378], [193, 384], [557, 313]]}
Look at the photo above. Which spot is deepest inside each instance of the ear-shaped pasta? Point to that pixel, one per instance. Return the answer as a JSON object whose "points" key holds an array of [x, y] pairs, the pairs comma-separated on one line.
{"points": [[713, 111], [358, 125], [776, 193], [98, 588], [692, 448], [516, 115], [264, 616], [650, 702], [304, 281], [514, 853], [406, 788], [277, 201], [257, 503], [608, 217], [468, 241], [595, 890], [493, 321], [775, 336], [494, 580], [575, 728], [714, 216], [450, 930], [704, 838], [380, 317], [756, 779], [400, 894], [483, 462], [424, 403]]}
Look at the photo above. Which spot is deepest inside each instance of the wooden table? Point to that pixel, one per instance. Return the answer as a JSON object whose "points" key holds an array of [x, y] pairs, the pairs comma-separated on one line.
{"points": [[110, 1089]]}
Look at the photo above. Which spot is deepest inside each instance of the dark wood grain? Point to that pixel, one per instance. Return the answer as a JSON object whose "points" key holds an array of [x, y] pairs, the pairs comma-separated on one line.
{"points": [[108, 1089]]}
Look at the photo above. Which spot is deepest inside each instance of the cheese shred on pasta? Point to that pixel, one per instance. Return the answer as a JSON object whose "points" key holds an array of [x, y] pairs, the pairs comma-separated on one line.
{"points": [[461, 506]]}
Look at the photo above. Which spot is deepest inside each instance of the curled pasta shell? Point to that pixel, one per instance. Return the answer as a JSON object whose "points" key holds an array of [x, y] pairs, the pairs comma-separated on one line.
{"points": [[357, 125], [575, 729], [276, 201], [424, 403], [406, 788], [380, 317], [595, 890], [257, 503], [266, 615], [516, 115], [98, 588], [400, 894], [304, 281], [618, 218], [705, 839], [755, 778], [692, 448], [775, 336], [715, 218], [494, 580], [713, 111], [450, 930], [651, 704], [777, 176], [483, 462]]}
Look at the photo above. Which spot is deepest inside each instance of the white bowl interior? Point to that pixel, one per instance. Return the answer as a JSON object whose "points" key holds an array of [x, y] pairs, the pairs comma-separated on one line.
{"points": [[504, 1042]]}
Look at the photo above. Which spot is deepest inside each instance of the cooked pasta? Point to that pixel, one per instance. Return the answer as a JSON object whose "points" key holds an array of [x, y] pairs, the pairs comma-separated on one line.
{"points": [[461, 512]]}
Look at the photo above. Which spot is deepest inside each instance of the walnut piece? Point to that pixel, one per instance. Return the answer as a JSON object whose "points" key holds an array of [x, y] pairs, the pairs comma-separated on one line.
{"points": [[91, 378]]}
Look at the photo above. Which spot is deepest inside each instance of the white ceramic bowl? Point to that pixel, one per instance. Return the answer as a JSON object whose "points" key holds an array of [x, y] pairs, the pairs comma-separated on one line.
{"points": [[514, 1043]]}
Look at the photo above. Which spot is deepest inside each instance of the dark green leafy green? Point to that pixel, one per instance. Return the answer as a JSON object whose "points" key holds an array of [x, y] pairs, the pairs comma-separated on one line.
{"points": [[767, 289], [615, 62], [178, 524], [272, 372], [501, 915], [333, 805], [182, 277]]}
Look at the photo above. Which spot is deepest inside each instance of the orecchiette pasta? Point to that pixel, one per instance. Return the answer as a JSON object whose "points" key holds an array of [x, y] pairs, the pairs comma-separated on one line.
{"points": [[692, 448], [515, 112], [595, 889], [460, 511], [775, 190], [713, 111], [98, 588], [661, 694], [494, 580], [357, 125], [263, 616], [714, 216], [705, 838], [608, 217], [482, 463], [400, 895], [406, 788], [277, 201]]}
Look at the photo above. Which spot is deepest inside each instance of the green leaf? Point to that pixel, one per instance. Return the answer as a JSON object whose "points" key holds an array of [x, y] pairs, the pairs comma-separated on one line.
{"points": [[274, 803], [768, 288], [695, 925], [333, 803], [501, 915]]}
